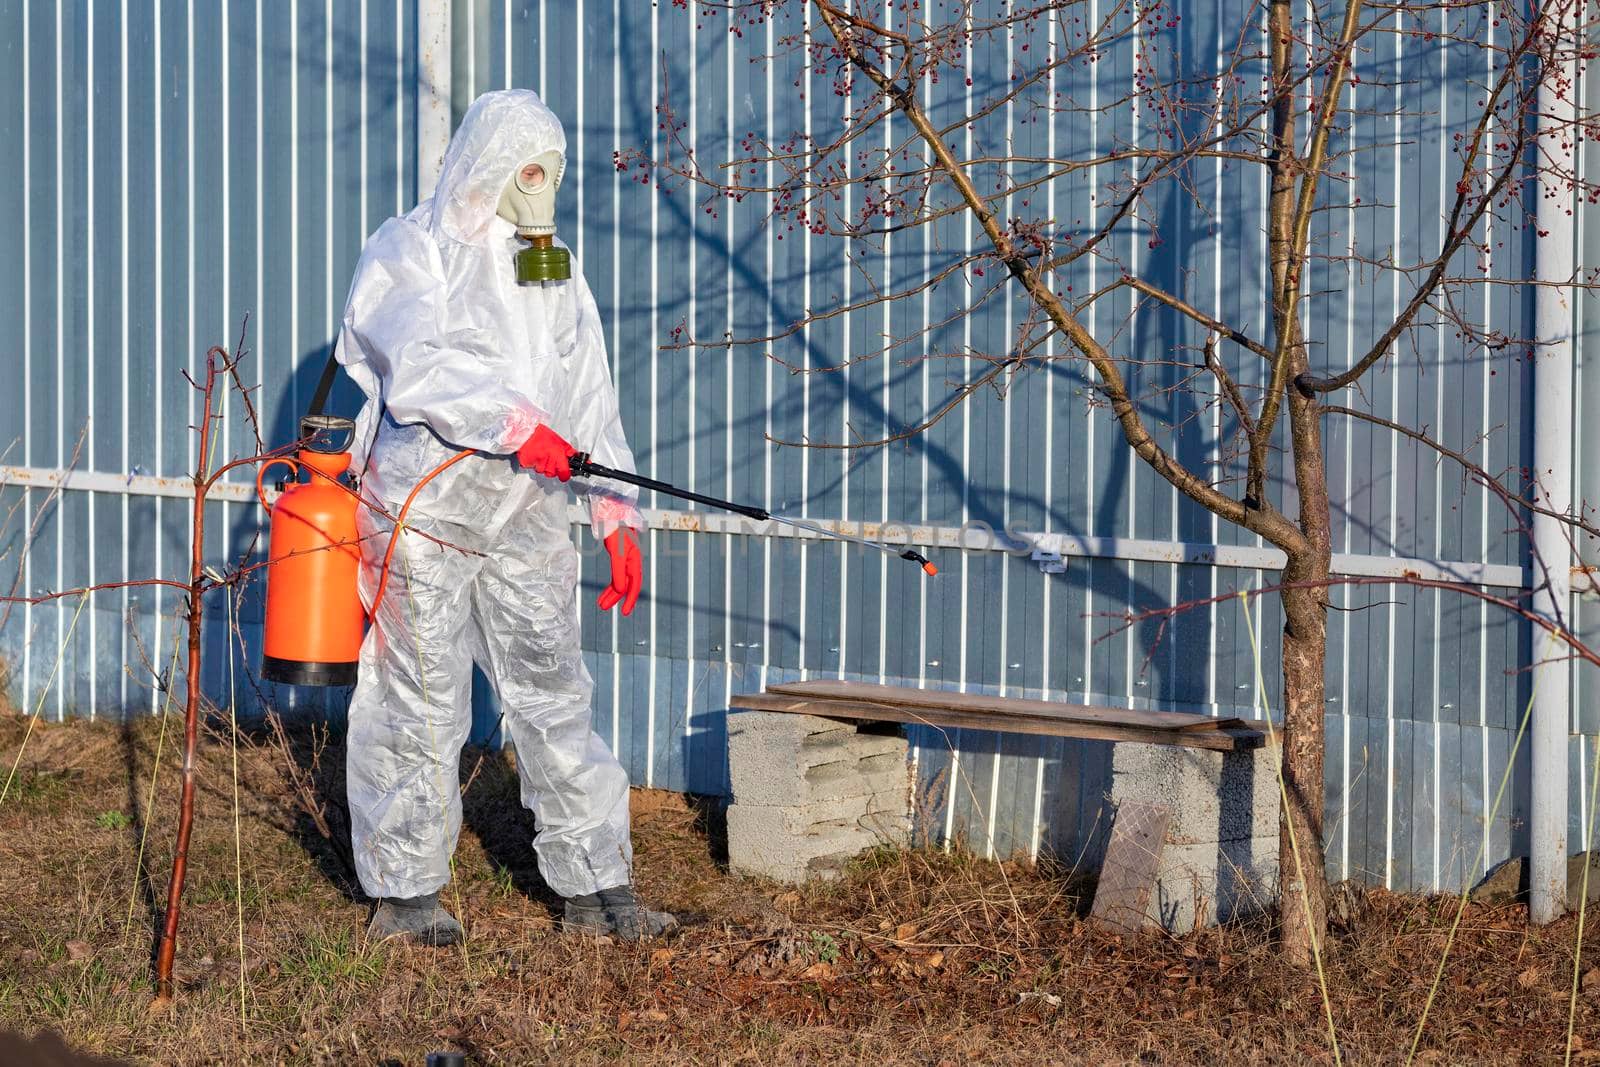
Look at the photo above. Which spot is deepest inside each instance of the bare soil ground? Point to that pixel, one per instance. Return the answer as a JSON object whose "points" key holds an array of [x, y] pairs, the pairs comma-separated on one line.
{"points": [[916, 956]]}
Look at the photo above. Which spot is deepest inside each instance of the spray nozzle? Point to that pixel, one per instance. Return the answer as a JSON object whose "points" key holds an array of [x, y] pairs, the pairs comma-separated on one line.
{"points": [[917, 557]]}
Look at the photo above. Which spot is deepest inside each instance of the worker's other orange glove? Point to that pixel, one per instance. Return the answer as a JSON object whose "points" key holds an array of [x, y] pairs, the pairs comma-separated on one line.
{"points": [[546, 452], [627, 571]]}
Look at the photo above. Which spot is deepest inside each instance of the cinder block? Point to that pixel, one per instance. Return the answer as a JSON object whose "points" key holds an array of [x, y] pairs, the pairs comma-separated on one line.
{"points": [[799, 818], [1214, 796], [1220, 862], [790, 844], [798, 832], [1217, 882], [846, 775], [797, 728], [776, 758], [1250, 793], [809, 793]]}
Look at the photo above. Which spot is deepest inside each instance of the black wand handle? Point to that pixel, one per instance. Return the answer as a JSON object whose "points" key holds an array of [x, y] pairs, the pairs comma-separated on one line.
{"points": [[584, 467]]}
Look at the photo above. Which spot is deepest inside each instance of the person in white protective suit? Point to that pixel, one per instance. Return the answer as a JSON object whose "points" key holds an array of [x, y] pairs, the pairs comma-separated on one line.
{"points": [[453, 353]]}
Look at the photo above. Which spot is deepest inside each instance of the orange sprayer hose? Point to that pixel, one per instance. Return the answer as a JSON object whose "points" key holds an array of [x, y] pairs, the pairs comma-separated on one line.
{"points": [[400, 521]]}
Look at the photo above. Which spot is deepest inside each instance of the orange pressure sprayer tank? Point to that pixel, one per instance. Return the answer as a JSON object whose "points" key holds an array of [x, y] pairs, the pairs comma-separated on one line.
{"points": [[314, 614]]}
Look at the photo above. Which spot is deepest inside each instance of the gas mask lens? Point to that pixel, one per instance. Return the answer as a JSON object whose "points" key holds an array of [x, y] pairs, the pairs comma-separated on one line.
{"points": [[532, 179]]}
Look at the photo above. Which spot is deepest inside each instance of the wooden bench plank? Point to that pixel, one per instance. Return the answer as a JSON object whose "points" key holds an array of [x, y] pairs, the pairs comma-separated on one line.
{"points": [[833, 689], [1226, 739]]}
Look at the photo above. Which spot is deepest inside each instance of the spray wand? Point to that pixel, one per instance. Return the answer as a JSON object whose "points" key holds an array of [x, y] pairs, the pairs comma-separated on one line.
{"points": [[584, 467]]}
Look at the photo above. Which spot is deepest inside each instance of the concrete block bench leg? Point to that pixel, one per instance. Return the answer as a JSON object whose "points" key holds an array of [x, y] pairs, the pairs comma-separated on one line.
{"points": [[809, 793], [1220, 862]]}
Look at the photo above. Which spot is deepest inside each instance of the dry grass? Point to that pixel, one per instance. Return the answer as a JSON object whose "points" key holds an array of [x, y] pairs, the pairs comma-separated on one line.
{"points": [[915, 957]]}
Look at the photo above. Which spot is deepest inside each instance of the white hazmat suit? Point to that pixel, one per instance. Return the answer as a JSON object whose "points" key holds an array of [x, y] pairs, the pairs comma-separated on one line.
{"points": [[453, 354]]}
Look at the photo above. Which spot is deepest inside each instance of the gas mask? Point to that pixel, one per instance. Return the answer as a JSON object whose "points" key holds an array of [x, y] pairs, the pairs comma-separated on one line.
{"points": [[529, 203]]}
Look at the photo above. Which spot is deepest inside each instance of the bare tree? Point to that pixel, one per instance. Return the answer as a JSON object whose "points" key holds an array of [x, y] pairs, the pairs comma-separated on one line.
{"points": [[1278, 97], [206, 576]]}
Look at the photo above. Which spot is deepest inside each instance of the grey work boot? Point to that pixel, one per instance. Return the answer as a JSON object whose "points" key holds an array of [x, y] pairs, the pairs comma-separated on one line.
{"points": [[615, 911], [420, 919]]}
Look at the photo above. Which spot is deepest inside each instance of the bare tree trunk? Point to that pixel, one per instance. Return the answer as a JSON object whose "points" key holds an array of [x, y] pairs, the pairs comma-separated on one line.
{"points": [[1303, 883], [1303, 886], [168, 947]]}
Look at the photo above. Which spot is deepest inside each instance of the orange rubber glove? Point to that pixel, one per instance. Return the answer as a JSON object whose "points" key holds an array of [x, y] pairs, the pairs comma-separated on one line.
{"points": [[627, 571], [547, 453]]}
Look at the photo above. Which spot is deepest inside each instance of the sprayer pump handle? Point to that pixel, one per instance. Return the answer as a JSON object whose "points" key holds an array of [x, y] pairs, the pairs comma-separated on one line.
{"points": [[315, 431]]}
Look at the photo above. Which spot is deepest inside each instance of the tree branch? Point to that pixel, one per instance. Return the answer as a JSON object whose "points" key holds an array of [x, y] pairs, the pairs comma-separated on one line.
{"points": [[1291, 229], [1309, 385], [1214, 325], [1270, 525]]}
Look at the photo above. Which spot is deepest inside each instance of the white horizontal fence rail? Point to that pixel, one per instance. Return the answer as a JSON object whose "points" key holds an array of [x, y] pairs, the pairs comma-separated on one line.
{"points": [[975, 536]]}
